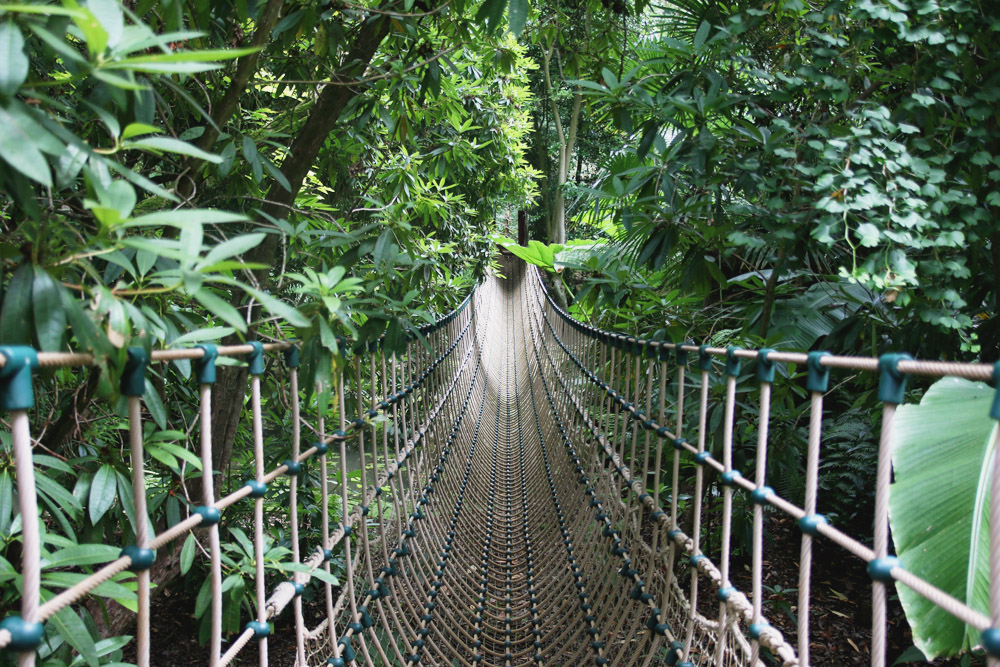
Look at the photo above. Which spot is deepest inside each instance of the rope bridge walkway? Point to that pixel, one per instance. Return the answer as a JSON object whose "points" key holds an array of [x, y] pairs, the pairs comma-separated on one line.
{"points": [[504, 516]]}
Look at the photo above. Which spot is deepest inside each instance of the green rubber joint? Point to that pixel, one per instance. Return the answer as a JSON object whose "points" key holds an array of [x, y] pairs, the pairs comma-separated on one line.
{"points": [[653, 351], [294, 467], [674, 653], [142, 559], [995, 409], [760, 494], [880, 569], [327, 555], [685, 663], [695, 559], [260, 629], [209, 515], [134, 378], [765, 367], [679, 444], [24, 636], [336, 662], [255, 360], [257, 489], [664, 352], [321, 448], [682, 355], [205, 367], [16, 389], [704, 358], [810, 523], [892, 383], [701, 457], [347, 649], [365, 616], [818, 379], [298, 588], [991, 641], [756, 629], [730, 477], [292, 357], [733, 363], [723, 593]]}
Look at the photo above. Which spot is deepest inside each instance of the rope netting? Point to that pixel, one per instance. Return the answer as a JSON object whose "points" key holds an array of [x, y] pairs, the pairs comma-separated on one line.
{"points": [[508, 511]]}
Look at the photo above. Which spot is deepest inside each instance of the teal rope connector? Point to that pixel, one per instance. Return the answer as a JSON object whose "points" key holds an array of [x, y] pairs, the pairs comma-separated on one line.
{"points": [[880, 569], [321, 448], [142, 559], [733, 363], [260, 629], [298, 588], [134, 377], [756, 629], [991, 641], [294, 467], [365, 616], [674, 653], [255, 360], [24, 636], [664, 352], [336, 662], [723, 593], [347, 649], [760, 494], [209, 515], [818, 379], [257, 489], [652, 351], [205, 367], [704, 358], [682, 355], [995, 409], [701, 457], [679, 444], [765, 367], [292, 357], [892, 383], [730, 477], [810, 523], [16, 390]]}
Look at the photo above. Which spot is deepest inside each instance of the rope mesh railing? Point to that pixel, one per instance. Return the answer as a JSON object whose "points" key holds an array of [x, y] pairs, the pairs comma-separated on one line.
{"points": [[504, 515]]}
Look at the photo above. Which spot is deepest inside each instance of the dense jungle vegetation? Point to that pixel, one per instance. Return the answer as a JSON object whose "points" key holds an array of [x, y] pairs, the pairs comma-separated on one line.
{"points": [[791, 174]]}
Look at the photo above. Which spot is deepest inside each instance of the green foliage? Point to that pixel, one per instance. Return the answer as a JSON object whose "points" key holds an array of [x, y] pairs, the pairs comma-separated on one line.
{"points": [[938, 447]]}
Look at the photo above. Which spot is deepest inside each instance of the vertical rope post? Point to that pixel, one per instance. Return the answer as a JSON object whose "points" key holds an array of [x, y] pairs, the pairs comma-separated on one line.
{"points": [[17, 396], [292, 363], [892, 386], [817, 384], [991, 636], [256, 362], [206, 376], [133, 385], [765, 375]]}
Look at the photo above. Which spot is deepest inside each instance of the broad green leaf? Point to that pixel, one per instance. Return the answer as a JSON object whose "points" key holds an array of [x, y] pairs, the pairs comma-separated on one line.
{"points": [[187, 553], [14, 70], [253, 157], [50, 318], [20, 150], [82, 554], [72, 628], [942, 449], [232, 247], [103, 491], [109, 14], [170, 145], [204, 55], [155, 405], [201, 335], [16, 315], [221, 309], [137, 129], [180, 452], [518, 16], [490, 12]]}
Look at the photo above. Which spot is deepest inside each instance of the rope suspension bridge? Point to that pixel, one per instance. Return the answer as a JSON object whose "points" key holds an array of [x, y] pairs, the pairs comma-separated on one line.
{"points": [[505, 514]]}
